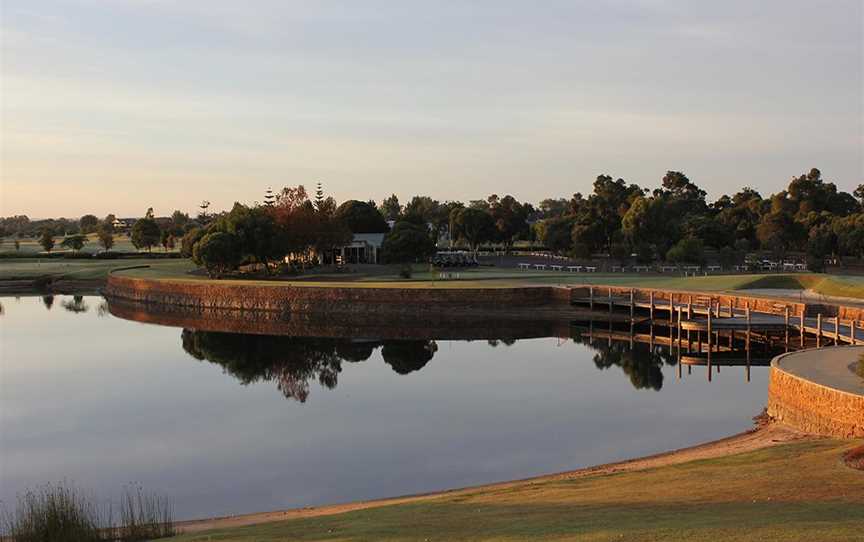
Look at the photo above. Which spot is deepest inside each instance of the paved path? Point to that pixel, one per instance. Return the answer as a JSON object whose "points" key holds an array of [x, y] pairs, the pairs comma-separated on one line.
{"points": [[827, 366]]}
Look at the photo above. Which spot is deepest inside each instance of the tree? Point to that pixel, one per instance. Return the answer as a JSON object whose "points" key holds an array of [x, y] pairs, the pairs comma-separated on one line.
{"points": [[166, 239], [179, 219], [390, 208], [106, 236], [556, 234], [218, 252], [88, 223], [406, 243], [511, 219], [188, 243], [821, 243], [257, 234], [146, 232], [859, 193], [75, 242], [46, 240], [361, 217], [473, 226], [108, 223], [689, 250]]}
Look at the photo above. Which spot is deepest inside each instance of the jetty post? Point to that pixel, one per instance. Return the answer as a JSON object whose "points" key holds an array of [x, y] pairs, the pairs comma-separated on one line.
{"points": [[671, 307], [786, 320], [689, 307], [651, 304], [819, 330], [747, 342], [632, 304], [709, 344], [610, 303], [801, 327], [591, 298], [836, 330]]}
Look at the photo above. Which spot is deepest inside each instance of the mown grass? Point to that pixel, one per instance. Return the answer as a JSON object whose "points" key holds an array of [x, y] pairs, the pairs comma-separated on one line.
{"points": [[484, 277], [33, 268], [28, 246], [799, 491]]}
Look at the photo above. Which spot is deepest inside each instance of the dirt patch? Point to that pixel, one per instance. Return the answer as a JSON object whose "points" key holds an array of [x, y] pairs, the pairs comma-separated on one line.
{"points": [[854, 458], [766, 434]]}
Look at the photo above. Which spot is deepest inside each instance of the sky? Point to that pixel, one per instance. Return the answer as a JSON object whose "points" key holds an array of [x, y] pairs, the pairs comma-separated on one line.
{"points": [[116, 106]]}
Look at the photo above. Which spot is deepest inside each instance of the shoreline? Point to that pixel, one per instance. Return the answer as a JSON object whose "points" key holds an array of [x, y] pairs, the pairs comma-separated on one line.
{"points": [[767, 433]]}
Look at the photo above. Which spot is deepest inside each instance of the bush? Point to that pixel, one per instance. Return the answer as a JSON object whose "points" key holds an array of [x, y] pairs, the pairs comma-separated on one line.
{"points": [[405, 271]]}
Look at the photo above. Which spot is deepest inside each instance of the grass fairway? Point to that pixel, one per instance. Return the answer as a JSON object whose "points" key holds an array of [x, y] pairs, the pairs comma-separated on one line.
{"points": [[32, 268], [798, 491], [491, 277]]}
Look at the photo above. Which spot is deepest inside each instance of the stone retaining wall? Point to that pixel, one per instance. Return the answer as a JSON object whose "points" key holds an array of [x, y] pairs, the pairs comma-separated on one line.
{"points": [[289, 298], [813, 407]]}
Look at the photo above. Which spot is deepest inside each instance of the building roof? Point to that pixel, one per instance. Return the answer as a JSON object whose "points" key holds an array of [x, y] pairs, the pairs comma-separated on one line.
{"points": [[374, 239]]}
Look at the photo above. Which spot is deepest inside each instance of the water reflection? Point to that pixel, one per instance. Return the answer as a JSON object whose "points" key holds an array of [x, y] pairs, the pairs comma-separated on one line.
{"points": [[642, 364], [48, 301], [76, 305], [295, 362], [494, 400]]}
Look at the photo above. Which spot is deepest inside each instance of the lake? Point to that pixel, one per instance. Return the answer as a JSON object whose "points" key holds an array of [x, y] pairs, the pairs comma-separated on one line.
{"points": [[228, 423]]}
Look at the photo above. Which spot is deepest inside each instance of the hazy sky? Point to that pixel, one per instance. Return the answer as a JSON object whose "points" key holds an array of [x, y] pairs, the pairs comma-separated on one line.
{"points": [[120, 105]]}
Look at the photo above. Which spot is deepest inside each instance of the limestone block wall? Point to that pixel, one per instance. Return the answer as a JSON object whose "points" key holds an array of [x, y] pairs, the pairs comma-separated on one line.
{"points": [[288, 298], [812, 407]]}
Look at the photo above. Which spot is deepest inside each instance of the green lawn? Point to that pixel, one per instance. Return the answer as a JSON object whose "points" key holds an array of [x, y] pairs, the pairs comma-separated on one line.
{"points": [[32, 268], [799, 491], [28, 246], [503, 278], [486, 277]]}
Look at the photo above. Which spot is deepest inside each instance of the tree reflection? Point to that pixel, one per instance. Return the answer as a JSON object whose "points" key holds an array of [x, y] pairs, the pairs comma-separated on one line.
{"points": [[77, 305], [294, 362], [643, 365], [48, 301], [408, 356]]}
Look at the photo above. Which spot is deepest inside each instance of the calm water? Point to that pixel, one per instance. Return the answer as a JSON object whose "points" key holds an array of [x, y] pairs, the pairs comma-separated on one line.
{"points": [[228, 423]]}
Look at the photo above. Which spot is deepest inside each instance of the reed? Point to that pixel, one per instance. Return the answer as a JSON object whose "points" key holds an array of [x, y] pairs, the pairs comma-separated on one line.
{"points": [[63, 513]]}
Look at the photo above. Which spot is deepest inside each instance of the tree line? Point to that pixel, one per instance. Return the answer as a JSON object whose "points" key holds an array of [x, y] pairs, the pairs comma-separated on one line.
{"points": [[673, 222]]}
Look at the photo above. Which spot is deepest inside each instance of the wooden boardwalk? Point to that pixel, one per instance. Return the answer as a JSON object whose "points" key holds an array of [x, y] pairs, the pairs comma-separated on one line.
{"points": [[701, 313]]}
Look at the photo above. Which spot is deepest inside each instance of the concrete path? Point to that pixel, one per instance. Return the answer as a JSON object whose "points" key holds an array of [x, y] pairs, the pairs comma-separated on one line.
{"points": [[827, 366]]}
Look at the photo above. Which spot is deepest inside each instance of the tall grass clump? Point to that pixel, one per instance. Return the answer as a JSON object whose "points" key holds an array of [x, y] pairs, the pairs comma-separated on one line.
{"points": [[54, 513], [144, 516], [63, 513]]}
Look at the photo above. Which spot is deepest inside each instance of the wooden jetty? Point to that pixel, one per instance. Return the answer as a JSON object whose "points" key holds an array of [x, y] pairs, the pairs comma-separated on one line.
{"points": [[722, 312]]}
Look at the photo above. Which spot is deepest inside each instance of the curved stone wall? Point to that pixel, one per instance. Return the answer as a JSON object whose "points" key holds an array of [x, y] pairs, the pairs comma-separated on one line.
{"points": [[358, 300], [812, 406]]}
